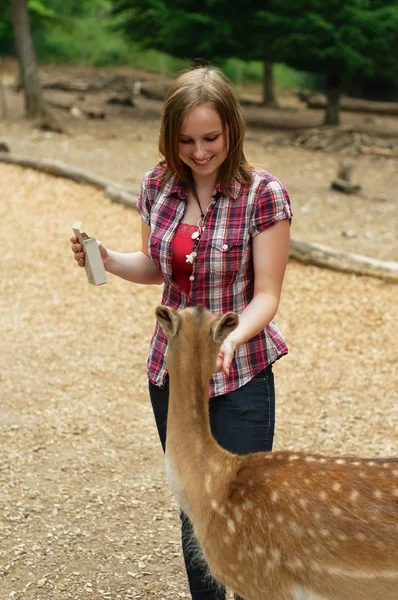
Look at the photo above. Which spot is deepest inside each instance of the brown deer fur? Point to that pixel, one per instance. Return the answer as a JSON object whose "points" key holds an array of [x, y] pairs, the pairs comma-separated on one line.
{"points": [[268, 523]]}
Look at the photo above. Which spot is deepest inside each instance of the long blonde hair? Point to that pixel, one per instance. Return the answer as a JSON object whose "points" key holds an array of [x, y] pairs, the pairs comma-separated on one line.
{"points": [[203, 85]]}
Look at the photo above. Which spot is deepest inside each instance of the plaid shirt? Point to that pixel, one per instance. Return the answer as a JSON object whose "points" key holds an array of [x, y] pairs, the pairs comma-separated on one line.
{"points": [[223, 270]]}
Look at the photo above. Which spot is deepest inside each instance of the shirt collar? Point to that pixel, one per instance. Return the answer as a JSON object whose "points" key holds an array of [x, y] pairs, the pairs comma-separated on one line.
{"points": [[179, 188]]}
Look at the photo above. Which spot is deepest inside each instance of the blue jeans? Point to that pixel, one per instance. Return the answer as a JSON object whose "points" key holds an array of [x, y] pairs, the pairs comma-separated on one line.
{"points": [[242, 422]]}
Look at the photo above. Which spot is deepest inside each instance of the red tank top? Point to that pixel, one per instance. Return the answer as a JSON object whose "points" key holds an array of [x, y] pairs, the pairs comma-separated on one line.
{"points": [[182, 245]]}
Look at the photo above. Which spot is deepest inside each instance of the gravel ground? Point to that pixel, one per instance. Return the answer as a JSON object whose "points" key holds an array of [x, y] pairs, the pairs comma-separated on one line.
{"points": [[85, 511]]}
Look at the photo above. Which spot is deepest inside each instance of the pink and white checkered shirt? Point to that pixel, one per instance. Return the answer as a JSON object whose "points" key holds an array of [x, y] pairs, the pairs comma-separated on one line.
{"points": [[223, 270]]}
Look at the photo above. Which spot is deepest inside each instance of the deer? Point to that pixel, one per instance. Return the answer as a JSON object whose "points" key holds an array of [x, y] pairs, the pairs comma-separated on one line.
{"points": [[270, 524]]}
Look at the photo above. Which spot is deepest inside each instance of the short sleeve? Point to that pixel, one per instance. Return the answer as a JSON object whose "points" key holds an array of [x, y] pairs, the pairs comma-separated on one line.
{"points": [[144, 203], [272, 204]]}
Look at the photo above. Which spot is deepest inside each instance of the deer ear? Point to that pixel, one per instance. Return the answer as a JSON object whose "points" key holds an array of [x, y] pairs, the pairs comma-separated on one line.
{"points": [[169, 319], [223, 326]]}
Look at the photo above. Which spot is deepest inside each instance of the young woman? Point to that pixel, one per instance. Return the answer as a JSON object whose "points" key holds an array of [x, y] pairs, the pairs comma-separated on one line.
{"points": [[215, 231]]}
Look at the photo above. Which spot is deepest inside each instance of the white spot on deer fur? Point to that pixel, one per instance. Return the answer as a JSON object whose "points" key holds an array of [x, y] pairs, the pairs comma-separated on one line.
{"points": [[395, 472], [247, 505], [214, 504], [307, 481], [227, 539], [296, 528], [395, 492], [323, 460], [311, 533], [325, 533], [276, 555], [378, 494], [340, 461], [207, 482], [274, 496], [309, 459], [362, 474], [342, 537], [371, 463], [356, 463], [317, 515], [279, 518], [354, 495], [295, 564], [294, 457], [316, 567], [238, 513], [286, 483], [231, 525], [240, 555], [303, 502], [323, 496], [259, 550], [336, 511], [336, 487], [361, 537]]}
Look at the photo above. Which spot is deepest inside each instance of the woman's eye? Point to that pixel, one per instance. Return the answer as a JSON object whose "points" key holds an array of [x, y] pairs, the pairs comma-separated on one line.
{"points": [[207, 139]]}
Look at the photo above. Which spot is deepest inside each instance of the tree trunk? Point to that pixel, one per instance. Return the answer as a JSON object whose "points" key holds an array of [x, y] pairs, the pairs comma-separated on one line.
{"points": [[334, 89], [3, 103], [34, 103], [269, 98]]}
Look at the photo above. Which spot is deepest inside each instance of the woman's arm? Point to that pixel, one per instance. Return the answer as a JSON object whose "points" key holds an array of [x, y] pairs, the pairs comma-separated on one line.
{"points": [[136, 267], [270, 256]]}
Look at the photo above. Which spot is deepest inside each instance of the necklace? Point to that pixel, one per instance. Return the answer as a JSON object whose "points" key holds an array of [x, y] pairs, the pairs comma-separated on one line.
{"points": [[196, 234]]}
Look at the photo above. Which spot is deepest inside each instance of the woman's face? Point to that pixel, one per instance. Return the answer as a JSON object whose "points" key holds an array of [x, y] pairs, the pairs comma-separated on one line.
{"points": [[201, 142]]}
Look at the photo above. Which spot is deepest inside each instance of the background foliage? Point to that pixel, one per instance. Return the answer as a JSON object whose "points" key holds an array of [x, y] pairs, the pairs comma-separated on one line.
{"points": [[306, 39]]}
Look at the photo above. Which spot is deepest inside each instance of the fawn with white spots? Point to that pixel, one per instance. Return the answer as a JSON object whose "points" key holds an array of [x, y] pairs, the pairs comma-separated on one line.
{"points": [[270, 522]]}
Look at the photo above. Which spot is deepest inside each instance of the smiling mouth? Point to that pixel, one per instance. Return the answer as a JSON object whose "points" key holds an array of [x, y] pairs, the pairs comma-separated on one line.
{"points": [[202, 163]]}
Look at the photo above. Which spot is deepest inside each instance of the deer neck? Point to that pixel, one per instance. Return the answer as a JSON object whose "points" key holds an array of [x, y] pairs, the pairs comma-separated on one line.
{"points": [[190, 446]]}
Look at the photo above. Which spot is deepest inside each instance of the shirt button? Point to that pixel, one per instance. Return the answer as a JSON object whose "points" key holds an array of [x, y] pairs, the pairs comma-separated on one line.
{"points": [[192, 278], [225, 247]]}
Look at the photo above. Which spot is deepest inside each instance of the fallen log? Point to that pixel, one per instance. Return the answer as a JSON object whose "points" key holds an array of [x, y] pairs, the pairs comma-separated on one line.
{"points": [[339, 260], [120, 196], [59, 169], [77, 109], [86, 84], [318, 101], [314, 254]]}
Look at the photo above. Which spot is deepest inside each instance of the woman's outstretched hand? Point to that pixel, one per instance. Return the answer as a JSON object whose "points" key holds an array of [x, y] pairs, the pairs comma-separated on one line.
{"points": [[226, 355]]}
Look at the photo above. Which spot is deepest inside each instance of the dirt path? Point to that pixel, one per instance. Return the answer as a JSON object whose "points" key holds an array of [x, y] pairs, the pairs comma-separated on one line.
{"points": [[85, 511]]}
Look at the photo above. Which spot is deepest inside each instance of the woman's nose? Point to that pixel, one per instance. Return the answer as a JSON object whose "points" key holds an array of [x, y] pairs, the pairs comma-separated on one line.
{"points": [[199, 151]]}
